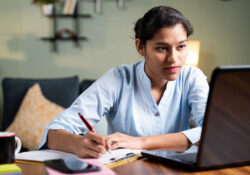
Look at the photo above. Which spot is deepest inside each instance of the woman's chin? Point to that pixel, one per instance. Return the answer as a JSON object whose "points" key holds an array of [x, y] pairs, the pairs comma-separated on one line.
{"points": [[171, 77]]}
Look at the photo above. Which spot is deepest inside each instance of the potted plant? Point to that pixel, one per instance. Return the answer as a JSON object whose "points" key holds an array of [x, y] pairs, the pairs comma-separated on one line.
{"points": [[47, 6]]}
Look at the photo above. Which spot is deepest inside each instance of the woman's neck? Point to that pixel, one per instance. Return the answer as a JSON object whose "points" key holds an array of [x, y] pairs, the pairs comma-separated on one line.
{"points": [[158, 88]]}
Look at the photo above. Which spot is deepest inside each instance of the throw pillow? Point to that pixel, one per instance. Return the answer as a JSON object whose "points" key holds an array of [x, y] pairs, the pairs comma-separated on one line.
{"points": [[62, 91], [34, 114]]}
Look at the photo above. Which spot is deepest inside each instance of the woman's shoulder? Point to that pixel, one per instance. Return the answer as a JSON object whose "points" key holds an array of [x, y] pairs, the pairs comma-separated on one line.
{"points": [[191, 71], [120, 73], [127, 70], [129, 67], [191, 75]]}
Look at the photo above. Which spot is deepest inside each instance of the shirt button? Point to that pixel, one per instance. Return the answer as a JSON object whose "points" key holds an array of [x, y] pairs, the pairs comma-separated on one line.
{"points": [[157, 114]]}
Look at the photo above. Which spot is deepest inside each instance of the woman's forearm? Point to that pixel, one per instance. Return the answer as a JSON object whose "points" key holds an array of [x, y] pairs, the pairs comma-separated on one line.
{"points": [[164, 141], [174, 140], [61, 140], [90, 145]]}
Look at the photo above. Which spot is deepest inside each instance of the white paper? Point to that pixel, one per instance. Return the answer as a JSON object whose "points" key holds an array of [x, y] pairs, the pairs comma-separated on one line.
{"points": [[43, 155], [108, 157]]}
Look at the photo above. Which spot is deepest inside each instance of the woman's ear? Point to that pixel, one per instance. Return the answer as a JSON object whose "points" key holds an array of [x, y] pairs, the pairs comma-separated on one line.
{"points": [[139, 47]]}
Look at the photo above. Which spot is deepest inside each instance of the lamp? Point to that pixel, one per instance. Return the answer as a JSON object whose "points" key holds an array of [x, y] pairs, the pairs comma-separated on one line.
{"points": [[193, 53]]}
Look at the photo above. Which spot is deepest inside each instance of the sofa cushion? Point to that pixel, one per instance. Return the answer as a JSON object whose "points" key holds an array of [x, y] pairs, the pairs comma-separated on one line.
{"points": [[34, 114], [62, 91], [85, 84]]}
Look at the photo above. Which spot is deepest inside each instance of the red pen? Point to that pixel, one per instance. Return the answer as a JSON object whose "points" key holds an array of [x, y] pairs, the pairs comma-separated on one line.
{"points": [[87, 123]]}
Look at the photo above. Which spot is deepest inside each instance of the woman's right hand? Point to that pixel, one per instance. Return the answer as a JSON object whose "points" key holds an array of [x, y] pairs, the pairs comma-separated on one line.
{"points": [[90, 145]]}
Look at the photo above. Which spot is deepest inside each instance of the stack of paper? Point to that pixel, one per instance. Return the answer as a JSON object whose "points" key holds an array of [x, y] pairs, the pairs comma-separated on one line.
{"points": [[110, 159]]}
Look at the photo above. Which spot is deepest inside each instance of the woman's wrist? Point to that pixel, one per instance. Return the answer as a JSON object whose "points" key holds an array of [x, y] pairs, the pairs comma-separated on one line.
{"points": [[75, 142], [142, 143]]}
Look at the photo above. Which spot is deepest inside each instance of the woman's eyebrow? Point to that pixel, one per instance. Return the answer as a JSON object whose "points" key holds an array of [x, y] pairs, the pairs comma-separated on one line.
{"points": [[167, 44], [183, 41], [161, 43]]}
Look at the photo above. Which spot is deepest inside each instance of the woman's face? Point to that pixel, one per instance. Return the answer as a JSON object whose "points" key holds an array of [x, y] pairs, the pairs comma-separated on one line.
{"points": [[165, 53]]}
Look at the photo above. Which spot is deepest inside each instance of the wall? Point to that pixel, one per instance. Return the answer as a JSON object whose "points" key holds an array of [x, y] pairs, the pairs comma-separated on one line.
{"points": [[221, 26]]}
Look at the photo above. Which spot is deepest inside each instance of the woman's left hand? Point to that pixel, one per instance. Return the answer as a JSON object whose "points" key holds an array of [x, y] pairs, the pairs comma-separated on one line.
{"points": [[119, 140]]}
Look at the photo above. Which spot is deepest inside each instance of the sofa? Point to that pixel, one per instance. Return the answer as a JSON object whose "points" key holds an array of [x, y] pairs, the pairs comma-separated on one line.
{"points": [[56, 93]]}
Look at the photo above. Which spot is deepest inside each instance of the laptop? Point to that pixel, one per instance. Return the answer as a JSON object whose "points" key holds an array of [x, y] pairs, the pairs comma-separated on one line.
{"points": [[225, 137]]}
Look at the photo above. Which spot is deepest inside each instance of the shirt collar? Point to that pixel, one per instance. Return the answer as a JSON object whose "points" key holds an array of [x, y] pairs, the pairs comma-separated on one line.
{"points": [[143, 76], [147, 83]]}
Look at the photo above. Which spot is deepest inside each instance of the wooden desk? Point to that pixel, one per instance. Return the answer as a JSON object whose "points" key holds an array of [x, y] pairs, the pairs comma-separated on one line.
{"points": [[144, 167]]}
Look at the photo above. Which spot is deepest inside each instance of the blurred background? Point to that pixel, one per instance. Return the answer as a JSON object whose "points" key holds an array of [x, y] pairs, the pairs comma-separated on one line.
{"points": [[221, 26]]}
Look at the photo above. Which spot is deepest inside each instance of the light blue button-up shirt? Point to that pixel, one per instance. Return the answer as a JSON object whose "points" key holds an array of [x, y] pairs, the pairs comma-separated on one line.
{"points": [[124, 96]]}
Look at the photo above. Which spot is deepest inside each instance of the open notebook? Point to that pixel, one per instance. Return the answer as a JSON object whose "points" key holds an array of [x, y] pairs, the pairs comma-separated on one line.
{"points": [[111, 158]]}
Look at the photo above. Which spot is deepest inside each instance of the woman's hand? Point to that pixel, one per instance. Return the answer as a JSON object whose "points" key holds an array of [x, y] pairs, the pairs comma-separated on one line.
{"points": [[173, 140], [119, 140], [90, 145]]}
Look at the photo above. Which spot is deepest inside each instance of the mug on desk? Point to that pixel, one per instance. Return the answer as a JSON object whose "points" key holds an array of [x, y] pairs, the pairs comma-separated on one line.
{"points": [[9, 146]]}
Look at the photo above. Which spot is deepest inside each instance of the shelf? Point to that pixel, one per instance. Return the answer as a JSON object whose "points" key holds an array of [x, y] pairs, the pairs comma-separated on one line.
{"points": [[64, 38], [54, 39], [70, 16], [66, 34]]}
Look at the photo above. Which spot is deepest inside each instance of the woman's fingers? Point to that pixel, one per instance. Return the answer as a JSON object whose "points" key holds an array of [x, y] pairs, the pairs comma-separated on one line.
{"points": [[119, 140], [112, 139], [100, 139], [91, 145], [96, 142], [88, 152]]}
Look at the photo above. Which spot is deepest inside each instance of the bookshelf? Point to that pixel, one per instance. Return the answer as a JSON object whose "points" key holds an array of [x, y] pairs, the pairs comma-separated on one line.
{"points": [[73, 35]]}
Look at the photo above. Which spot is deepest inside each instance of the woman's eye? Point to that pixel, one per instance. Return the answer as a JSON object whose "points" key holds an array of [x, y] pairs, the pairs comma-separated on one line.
{"points": [[181, 46], [161, 48]]}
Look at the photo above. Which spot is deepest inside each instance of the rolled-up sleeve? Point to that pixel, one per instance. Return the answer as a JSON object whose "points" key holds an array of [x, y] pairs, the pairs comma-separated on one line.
{"points": [[197, 100], [93, 103], [193, 134]]}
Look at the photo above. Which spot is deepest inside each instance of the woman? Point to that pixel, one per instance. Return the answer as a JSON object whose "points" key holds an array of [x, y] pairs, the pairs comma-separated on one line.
{"points": [[147, 104]]}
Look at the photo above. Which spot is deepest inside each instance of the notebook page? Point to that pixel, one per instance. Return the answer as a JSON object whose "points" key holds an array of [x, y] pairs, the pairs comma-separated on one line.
{"points": [[43, 155], [110, 157]]}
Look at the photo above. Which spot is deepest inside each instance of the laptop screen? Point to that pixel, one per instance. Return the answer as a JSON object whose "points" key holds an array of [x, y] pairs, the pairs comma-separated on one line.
{"points": [[225, 136], [225, 139]]}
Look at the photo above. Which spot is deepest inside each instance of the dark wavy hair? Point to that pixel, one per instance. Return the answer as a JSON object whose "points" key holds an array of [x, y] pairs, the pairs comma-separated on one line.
{"points": [[157, 18]]}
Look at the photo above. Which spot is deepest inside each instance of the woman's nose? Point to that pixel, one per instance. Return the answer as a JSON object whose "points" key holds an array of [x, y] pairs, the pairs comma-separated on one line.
{"points": [[172, 56]]}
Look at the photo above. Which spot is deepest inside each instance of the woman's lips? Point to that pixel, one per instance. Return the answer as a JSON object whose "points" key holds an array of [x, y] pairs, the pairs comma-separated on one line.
{"points": [[172, 69]]}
